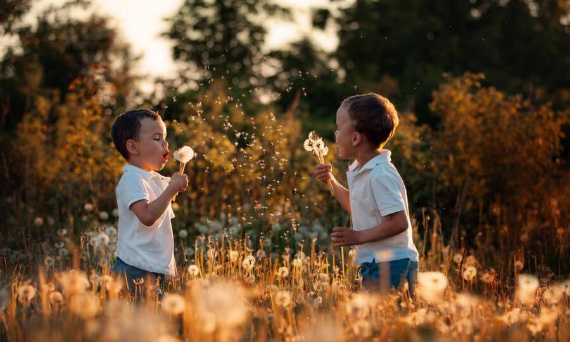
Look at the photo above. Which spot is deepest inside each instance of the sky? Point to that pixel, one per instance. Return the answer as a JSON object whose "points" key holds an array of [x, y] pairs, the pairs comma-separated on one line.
{"points": [[140, 23]]}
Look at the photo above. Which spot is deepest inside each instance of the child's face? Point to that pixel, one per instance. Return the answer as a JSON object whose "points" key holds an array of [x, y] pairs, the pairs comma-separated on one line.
{"points": [[345, 133], [151, 145]]}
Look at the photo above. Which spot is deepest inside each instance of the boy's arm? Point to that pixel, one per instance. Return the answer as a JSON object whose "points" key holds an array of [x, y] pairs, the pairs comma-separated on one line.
{"points": [[397, 223], [342, 194], [149, 212]]}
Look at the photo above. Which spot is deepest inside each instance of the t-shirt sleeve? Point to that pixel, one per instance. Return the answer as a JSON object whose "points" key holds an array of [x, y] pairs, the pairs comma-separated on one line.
{"points": [[387, 195], [132, 189]]}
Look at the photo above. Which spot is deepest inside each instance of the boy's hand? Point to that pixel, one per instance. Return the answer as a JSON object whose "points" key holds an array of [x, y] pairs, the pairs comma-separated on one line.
{"points": [[324, 172], [342, 236], [179, 181]]}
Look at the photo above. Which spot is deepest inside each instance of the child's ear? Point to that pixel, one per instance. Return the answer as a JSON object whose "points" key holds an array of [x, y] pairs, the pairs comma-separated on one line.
{"points": [[132, 147], [356, 139]]}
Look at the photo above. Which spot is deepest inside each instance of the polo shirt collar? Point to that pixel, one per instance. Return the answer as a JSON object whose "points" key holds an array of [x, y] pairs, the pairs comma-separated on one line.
{"points": [[379, 159], [145, 174]]}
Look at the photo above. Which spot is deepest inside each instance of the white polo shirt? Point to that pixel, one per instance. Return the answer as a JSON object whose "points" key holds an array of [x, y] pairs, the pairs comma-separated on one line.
{"points": [[150, 248], [376, 191]]}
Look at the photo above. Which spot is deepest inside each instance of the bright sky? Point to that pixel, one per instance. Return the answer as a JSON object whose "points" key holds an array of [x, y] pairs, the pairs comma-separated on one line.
{"points": [[140, 23]]}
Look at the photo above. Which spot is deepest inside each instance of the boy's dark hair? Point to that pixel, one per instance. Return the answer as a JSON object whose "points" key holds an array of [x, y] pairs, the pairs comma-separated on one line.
{"points": [[374, 116], [127, 126]]}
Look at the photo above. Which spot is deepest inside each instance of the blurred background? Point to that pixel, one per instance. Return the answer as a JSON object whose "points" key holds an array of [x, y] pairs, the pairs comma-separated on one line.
{"points": [[482, 88]]}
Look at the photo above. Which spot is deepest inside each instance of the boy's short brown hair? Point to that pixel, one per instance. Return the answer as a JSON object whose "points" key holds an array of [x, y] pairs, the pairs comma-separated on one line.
{"points": [[127, 126], [374, 116]]}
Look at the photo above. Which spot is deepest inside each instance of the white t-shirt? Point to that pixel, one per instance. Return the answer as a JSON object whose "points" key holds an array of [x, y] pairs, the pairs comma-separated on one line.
{"points": [[150, 248], [376, 191]]}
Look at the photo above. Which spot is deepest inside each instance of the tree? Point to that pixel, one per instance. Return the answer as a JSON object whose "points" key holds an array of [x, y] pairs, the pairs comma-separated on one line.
{"points": [[222, 39]]}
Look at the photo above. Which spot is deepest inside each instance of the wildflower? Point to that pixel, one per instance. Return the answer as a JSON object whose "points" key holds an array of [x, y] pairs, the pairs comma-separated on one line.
{"points": [[38, 221], [282, 272], [431, 286], [526, 288], [183, 155], [553, 294], [173, 304], [88, 207], [183, 233], [470, 273], [248, 263], [283, 298], [103, 215], [26, 293], [193, 270]]}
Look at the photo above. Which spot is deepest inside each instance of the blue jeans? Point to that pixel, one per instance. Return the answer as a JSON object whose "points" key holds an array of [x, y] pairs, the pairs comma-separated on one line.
{"points": [[375, 275], [133, 276]]}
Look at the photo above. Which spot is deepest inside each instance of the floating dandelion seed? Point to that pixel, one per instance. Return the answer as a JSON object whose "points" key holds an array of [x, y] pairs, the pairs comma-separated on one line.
{"points": [[173, 304], [183, 155]]}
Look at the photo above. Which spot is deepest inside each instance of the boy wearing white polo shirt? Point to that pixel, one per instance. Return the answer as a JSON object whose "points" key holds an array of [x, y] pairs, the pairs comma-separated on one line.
{"points": [[377, 200], [145, 248]]}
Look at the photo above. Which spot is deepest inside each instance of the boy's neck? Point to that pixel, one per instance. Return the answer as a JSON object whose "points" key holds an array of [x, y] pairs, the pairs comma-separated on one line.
{"points": [[366, 155], [139, 164]]}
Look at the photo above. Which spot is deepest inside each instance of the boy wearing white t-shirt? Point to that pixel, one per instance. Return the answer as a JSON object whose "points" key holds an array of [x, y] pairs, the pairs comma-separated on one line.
{"points": [[377, 199], [145, 248]]}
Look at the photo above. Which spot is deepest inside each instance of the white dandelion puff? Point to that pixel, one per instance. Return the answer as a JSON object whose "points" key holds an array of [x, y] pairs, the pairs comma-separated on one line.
{"points": [[173, 304], [526, 288], [470, 273], [283, 298], [183, 155], [193, 270], [282, 272], [431, 286], [26, 293]]}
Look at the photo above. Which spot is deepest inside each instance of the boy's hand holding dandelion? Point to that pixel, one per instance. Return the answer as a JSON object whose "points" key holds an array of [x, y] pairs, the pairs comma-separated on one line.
{"points": [[178, 182], [315, 144]]}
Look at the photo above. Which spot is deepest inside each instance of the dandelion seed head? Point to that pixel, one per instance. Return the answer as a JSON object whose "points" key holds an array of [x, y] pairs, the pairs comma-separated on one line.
{"points": [[470, 273], [193, 270], [38, 221], [184, 154], [173, 304], [26, 293], [431, 286], [103, 215], [283, 298], [526, 288]]}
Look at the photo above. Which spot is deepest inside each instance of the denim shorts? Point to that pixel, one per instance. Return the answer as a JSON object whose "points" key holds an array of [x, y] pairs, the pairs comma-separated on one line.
{"points": [[373, 274], [133, 275]]}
